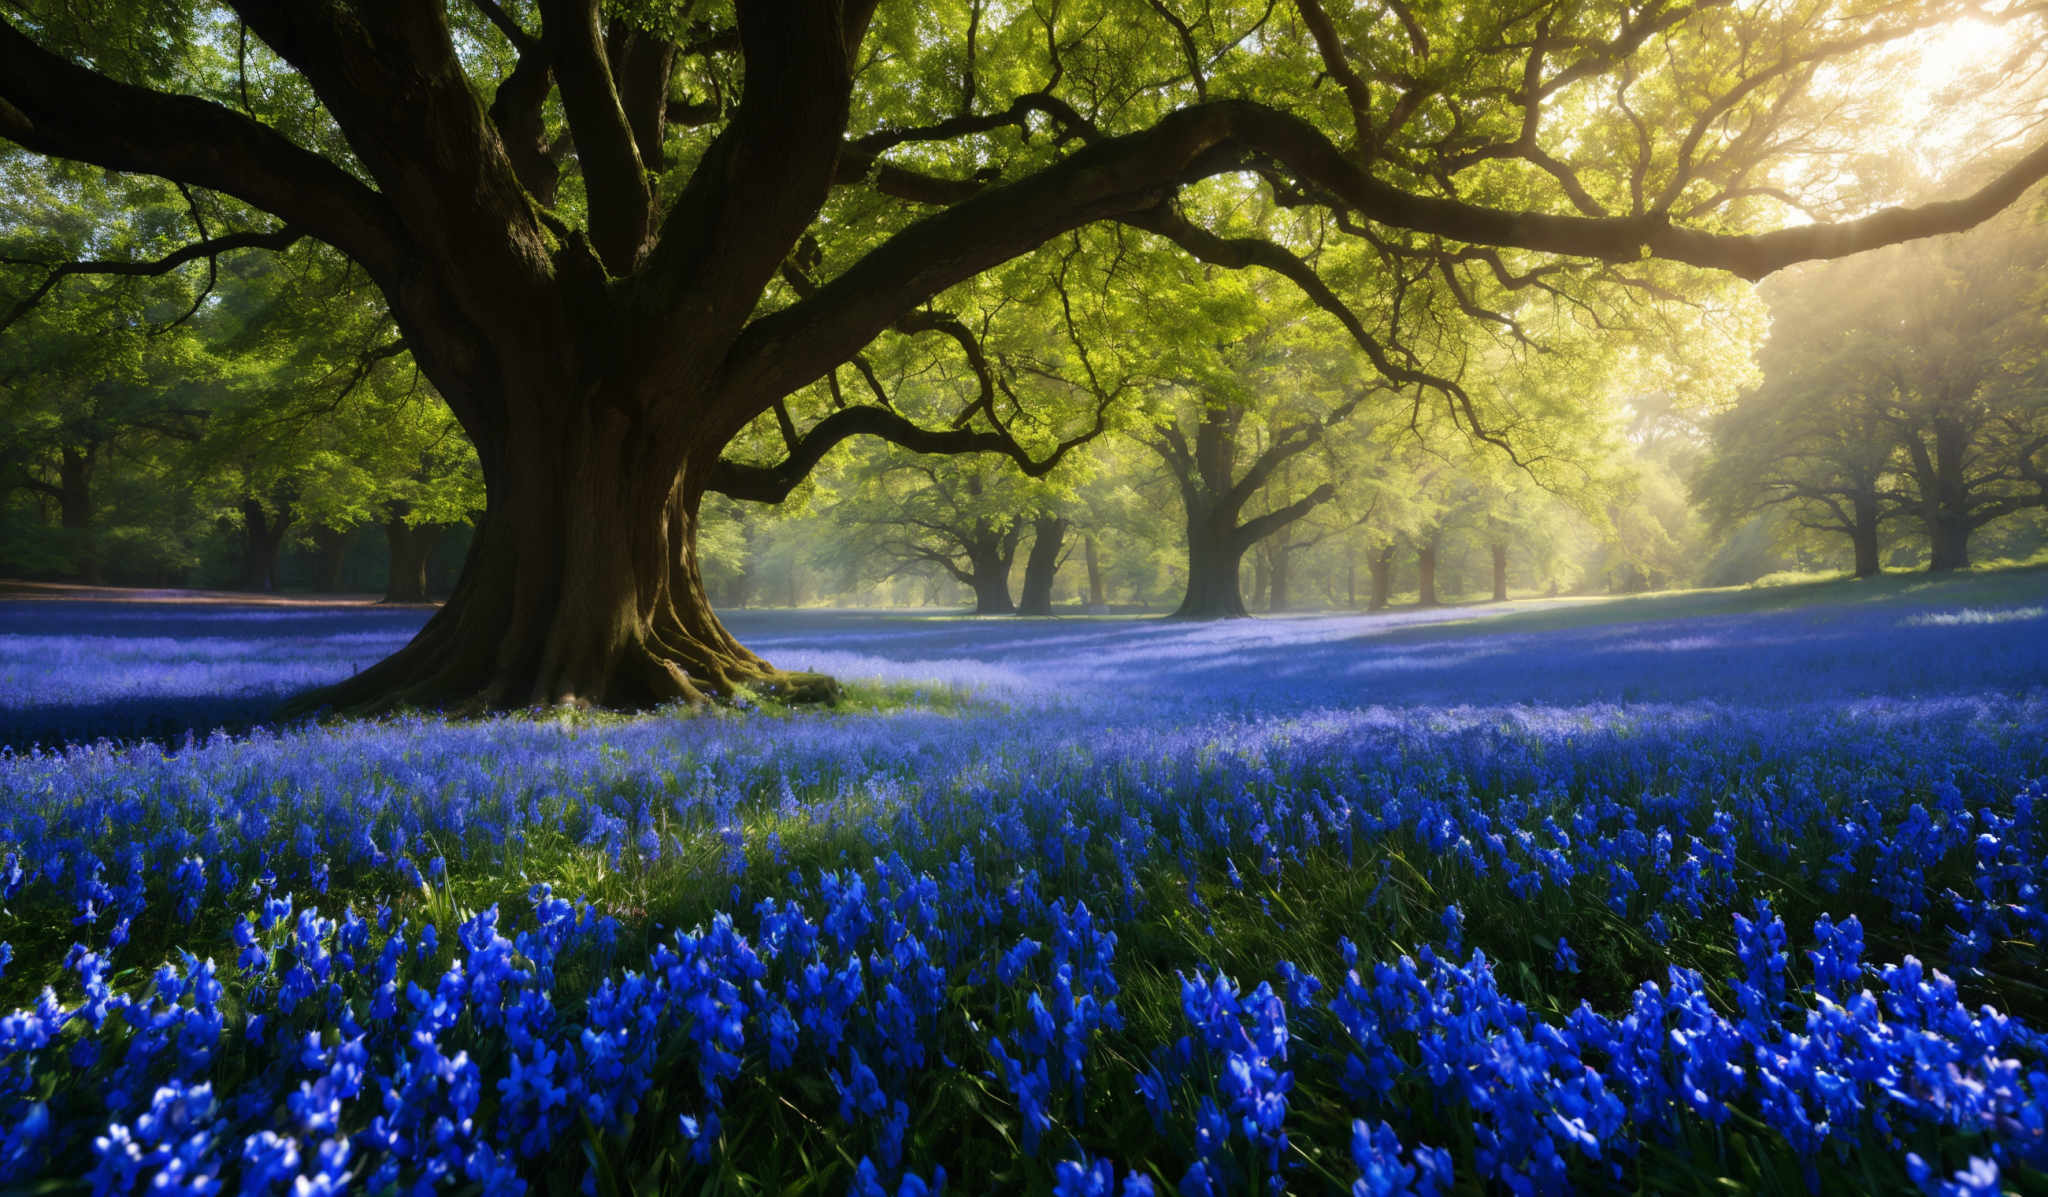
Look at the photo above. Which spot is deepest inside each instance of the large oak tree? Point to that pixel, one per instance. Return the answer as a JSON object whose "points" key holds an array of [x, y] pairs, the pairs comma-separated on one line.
{"points": [[614, 238]]}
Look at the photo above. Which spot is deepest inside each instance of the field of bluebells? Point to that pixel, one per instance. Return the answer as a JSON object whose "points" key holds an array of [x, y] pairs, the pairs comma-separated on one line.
{"points": [[1729, 892]]}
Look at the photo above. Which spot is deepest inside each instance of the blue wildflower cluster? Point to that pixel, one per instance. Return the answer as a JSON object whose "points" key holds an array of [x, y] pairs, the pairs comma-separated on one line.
{"points": [[1064, 941]]}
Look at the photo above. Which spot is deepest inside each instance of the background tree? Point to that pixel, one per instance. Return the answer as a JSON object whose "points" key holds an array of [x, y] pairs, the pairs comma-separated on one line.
{"points": [[964, 517], [1811, 439], [1128, 523], [106, 368], [1954, 330], [1049, 547], [319, 423], [1253, 385], [1899, 382]]}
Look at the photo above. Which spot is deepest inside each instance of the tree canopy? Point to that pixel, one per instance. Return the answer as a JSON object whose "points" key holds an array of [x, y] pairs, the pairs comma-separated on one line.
{"points": [[1900, 385]]}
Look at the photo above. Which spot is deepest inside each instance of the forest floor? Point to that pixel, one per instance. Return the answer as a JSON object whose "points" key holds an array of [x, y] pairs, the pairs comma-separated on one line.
{"points": [[1734, 890], [16, 588]]}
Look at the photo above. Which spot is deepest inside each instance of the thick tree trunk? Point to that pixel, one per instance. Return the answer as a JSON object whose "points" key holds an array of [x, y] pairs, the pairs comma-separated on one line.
{"points": [[1213, 496], [1042, 566], [1097, 598], [992, 590], [988, 568], [1500, 572], [581, 587], [262, 541], [410, 546], [1425, 567], [1864, 536], [1214, 556], [1948, 541], [1946, 502], [1381, 566]]}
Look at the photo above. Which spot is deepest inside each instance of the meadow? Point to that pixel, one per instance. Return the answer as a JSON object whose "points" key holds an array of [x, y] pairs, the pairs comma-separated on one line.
{"points": [[1733, 891]]}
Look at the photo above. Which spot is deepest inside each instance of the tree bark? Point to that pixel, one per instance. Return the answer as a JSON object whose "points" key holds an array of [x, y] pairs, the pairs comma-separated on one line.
{"points": [[410, 547], [992, 589], [74, 512], [1500, 572], [1425, 567], [1041, 567], [1947, 501], [547, 613], [1278, 597], [1948, 543], [1215, 554], [1097, 599], [989, 554], [1213, 494], [1863, 535], [1381, 566], [333, 546], [262, 541], [1262, 577]]}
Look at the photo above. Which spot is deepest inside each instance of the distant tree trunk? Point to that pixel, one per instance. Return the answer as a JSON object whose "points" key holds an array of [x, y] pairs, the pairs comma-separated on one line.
{"points": [[989, 554], [1948, 531], [1262, 576], [1500, 572], [1350, 580], [1864, 535], [1381, 566], [1278, 597], [1425, 566], [262, 541], [1096, 596], [74, 512], [1948, 540], [410, 547], [1946, 506], [333, 546], [1048, 532], [1213, 494], [992, 588], [1215, 555]]}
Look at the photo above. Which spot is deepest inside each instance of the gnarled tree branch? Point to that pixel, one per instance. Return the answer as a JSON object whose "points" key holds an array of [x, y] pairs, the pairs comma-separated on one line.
{"points": [[772, 484], [208, 249], [55, 107]]}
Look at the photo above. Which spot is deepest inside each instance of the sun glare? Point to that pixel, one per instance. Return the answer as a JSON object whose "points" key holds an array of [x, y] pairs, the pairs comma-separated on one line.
{"points": [[1966, 85], [1902, 119]]}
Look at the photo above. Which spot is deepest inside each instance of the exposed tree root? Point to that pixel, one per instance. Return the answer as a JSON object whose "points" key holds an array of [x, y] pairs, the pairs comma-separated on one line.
{"points": [[461, 666]]}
